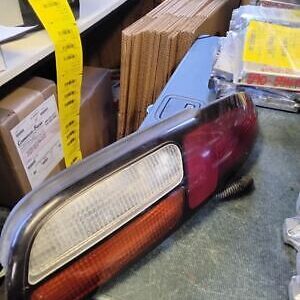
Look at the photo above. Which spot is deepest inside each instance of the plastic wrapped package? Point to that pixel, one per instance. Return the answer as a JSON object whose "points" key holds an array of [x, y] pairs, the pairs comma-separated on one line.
{"points": [[244, 14], [260, 55], [290, 4], [229, 54], [261, 50], [268, 98], [270, 56]]}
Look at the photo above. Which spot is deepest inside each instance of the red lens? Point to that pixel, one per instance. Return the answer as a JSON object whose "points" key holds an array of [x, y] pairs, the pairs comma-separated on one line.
{"points": [[102, 263], [216, 148]]}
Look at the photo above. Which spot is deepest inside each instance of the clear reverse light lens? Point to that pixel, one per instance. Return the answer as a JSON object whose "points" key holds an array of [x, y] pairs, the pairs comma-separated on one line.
{"points": [[103, 207]]}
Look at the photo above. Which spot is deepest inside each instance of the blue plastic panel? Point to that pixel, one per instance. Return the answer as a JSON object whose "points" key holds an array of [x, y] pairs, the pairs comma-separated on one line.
{"points": [[188, 86]]}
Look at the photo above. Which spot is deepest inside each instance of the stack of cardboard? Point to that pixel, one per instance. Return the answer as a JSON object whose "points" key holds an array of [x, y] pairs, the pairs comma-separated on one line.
{"points": [[154, 45]]}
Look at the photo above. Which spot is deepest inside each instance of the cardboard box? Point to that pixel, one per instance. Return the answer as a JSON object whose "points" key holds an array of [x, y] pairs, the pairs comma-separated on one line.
{"points": [[30, 147], [96, 114], [30, 143]]}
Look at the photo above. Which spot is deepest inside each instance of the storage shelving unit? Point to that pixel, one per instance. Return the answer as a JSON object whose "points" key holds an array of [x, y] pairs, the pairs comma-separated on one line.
{"points": [[23, 53]]}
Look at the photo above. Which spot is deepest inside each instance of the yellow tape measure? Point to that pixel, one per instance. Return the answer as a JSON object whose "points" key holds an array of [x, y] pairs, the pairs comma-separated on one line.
{"points": [[58, 20]]}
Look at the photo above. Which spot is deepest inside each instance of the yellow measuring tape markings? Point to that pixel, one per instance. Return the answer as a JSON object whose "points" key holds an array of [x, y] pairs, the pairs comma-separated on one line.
{"points": [[58, 20]]}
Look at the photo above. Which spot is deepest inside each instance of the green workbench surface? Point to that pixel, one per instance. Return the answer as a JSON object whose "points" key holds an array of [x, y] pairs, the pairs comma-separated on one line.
{"points": [[230, 249]]}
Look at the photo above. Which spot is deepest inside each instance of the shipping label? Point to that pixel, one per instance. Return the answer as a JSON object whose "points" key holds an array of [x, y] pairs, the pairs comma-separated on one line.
{"points": [[37, 139]]}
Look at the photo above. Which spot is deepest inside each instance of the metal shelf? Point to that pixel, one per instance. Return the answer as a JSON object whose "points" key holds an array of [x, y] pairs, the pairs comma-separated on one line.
{"points": [[21, 54]]}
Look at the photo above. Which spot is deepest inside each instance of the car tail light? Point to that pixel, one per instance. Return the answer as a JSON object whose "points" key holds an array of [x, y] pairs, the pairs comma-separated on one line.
{"points": [[215, 149], [103, 262], [82, 227], [97, 211]]}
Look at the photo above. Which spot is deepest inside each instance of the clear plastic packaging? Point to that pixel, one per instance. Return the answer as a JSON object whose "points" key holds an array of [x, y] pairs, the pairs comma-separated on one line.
{"points": [[271, 100], [244, 14], [268, 98], [290, 4], [227, 61], [291, 232], [270, 56], [261, 52], [294, 288]]}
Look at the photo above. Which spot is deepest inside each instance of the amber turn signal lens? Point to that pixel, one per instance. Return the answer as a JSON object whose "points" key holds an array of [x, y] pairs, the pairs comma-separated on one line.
{"points": [[103, 262]]}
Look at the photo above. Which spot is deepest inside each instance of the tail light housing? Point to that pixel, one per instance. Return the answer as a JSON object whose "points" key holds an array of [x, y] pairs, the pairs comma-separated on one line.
{"points": [[79, 229]]}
